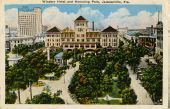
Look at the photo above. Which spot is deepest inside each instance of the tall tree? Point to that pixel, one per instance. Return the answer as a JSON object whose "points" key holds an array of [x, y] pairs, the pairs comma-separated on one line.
{"points": [[30, 77], [154, 88], [18, 81]]}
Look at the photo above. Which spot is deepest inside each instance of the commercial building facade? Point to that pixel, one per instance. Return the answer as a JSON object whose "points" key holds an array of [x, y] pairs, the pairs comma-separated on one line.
{"points": [[30, 23]]}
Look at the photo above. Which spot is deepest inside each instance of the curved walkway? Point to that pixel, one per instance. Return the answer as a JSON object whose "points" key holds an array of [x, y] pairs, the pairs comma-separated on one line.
{"points": [[143, 97], [61, 84]]}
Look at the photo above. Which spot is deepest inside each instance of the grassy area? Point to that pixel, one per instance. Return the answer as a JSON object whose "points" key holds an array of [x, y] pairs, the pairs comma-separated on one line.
{"points": [[115, 91], [39, 84], [52, 79]]}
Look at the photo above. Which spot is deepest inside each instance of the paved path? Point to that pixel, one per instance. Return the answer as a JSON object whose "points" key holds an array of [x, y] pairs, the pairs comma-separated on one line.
{"points": [[61, 84], [143, 97]]}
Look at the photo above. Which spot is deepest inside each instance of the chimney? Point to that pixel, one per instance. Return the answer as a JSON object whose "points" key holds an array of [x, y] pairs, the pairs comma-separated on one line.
{"points": [[93, 25], [151, 29]]}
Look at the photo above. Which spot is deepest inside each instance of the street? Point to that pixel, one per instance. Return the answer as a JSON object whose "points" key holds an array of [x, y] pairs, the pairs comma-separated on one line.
{"points": [[143, 97]]}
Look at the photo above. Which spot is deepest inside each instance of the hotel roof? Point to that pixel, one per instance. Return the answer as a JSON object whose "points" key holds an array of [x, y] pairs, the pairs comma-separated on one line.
{"points": [[109, 29], [80, 18], [54, 29]]}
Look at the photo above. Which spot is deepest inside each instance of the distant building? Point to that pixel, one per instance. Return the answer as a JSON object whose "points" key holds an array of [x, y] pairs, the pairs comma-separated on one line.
{"points": [[159, 40], [14, 59], [30, 22], [15, 41], [29, 29], [82, 36], [145, 37]]}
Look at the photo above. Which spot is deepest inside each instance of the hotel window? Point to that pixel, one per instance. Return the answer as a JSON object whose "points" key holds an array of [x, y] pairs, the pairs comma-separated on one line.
{"points": [[114, 40], [82, 35], [87, 46], [92, 46], [77, 40], [66, 45], [82, 40], [93, 40], [88, 40]]}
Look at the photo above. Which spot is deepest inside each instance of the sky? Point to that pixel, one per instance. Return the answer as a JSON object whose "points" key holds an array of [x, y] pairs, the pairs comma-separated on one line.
{"points": [[63, 15]]}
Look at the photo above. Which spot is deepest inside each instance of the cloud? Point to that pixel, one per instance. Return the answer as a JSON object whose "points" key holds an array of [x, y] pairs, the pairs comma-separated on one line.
{"points": [[123, 18], [52, 16], [11, 17]]}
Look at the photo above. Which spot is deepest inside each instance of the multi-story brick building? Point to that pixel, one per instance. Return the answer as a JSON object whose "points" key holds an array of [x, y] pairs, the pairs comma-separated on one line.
{"points": [[82, 36]]}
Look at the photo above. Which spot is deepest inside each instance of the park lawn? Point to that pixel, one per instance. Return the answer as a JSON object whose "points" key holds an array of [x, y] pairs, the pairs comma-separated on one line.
{"points": [[115, 91]]}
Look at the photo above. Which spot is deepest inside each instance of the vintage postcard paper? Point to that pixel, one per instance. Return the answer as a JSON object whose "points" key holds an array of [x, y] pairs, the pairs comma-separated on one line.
{"points": [[84, 54]]}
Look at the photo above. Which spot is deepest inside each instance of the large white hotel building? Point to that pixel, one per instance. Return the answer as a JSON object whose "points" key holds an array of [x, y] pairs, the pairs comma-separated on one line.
{"points": [[82, 37]]}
